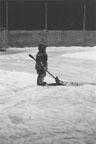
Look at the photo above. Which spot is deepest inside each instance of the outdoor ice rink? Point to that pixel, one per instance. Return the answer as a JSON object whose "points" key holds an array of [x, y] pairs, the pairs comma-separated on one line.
{"points": [[30, 114]]}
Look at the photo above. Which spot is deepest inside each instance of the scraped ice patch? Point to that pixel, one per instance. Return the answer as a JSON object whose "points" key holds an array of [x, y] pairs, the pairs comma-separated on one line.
{"points": [[91, 55]]}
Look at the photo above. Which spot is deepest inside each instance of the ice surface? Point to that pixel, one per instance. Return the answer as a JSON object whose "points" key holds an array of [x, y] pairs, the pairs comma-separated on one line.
{"points": [[30, 114], [83, 55]]}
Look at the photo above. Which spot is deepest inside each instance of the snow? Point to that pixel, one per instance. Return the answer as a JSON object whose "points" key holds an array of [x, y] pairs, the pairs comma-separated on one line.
{"points": [[30, 114], [83, 55]]}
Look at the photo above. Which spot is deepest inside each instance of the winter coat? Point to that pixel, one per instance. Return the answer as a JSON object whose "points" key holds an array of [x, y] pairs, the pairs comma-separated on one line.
{"points": [[41, 62]]}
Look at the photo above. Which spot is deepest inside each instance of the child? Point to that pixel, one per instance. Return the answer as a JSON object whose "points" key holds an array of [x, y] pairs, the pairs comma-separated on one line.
{"points": [[41, 64]]}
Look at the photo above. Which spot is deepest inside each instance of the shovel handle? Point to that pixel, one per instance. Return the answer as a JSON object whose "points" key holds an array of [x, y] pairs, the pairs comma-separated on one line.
{"points": [[32, 57], [50, 74]]}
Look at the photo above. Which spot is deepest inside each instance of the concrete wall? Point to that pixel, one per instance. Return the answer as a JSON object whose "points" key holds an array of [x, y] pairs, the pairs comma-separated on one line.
{"points": [[52, 38], [3, 39]]}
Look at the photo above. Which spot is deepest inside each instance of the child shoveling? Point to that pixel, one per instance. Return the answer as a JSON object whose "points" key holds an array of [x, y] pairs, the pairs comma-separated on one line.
{"points": [[41, 66]]}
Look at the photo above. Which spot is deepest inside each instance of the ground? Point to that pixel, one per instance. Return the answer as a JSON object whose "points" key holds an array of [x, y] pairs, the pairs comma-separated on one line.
{"points": [[30, 114]]}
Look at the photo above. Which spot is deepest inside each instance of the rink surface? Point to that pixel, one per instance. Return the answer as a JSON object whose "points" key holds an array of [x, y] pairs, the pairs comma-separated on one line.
{"points": [[30, 114]]}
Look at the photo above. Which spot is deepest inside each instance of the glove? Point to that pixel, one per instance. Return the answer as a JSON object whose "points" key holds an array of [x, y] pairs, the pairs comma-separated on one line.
{"points": [[45, 68], [38, 67]]}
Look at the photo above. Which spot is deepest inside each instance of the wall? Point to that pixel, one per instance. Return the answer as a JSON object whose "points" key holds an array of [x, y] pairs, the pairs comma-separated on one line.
{"points": [[52, 38], [3, 39]]}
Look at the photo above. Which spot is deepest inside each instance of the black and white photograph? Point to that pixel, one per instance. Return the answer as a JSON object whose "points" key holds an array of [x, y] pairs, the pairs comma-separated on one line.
{"points": [[47, 71]]}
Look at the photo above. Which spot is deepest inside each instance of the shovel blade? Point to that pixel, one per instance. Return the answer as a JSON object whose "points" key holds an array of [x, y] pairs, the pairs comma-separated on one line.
{"points": [[59, 82]]}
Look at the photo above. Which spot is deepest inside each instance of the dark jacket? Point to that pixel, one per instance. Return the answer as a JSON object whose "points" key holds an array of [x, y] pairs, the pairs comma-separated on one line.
{"points": [[41, 62]]}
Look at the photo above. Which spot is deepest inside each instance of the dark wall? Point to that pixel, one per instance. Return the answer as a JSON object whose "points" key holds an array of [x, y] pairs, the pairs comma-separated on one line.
{"points": [[65, 16], [65, 23], [2, 14], [61, 15], [91, 16], [26, 15], [31, 16]]}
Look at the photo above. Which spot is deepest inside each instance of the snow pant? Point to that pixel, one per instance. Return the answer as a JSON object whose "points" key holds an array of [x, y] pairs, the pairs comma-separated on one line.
{"points": [[40, 78]]}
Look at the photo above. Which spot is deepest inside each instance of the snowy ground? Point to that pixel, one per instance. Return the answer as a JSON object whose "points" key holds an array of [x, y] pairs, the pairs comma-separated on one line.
{"points": [[30, 114]]}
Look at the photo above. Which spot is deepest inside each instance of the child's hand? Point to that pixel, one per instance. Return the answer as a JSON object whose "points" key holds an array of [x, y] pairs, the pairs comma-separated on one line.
{"points": [[45, 68]]}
